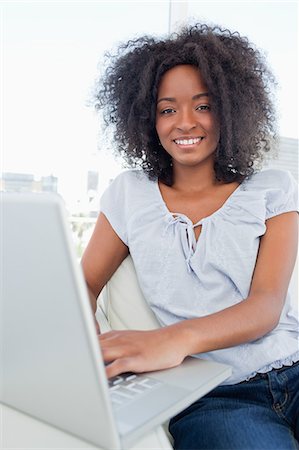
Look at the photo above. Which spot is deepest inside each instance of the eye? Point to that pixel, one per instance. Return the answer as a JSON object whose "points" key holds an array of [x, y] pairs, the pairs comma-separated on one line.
{"points": [[203, 108], [167, 111]]}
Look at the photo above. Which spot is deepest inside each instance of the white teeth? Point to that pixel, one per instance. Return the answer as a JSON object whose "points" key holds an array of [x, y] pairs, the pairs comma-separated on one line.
{"points": [[187, 141]]}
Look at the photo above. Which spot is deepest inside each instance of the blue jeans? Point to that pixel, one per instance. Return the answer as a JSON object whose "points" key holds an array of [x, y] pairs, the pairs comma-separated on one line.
{"points": [[262, 413]]}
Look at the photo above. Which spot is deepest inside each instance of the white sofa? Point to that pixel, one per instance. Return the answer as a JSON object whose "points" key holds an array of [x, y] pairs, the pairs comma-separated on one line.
{"points": [[121, 304]]}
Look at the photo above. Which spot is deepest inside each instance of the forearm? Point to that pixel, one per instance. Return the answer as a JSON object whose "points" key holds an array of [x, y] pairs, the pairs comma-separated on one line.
{"points": [[141, 351], [244, 322]]}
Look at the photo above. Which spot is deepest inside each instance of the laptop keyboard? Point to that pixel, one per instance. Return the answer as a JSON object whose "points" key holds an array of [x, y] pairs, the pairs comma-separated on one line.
{"points": [[126, 387]]}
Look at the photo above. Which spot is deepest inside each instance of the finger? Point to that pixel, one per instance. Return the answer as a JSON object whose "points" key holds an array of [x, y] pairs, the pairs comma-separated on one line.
{"points": [[113, 349], [109, 335], [113, 353], [120, 366], [118, 339]]}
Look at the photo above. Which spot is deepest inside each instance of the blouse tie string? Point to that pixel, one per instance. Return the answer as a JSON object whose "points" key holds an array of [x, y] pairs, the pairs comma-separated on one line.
{"points": [[186, 231]]}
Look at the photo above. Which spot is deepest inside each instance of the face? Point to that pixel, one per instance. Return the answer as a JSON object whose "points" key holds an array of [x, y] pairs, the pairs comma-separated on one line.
{"points": [[186, 125]]}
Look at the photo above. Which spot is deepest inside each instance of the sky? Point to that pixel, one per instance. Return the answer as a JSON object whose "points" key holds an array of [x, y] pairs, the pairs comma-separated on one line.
{"points": [[50, 56]]}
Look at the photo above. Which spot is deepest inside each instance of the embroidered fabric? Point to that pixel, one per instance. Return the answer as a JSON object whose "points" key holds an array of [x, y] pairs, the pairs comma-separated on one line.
{"points": [[289, 361]]}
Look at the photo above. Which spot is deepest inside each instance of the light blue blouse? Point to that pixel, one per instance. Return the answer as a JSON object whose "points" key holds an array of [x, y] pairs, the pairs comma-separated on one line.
{"points": [[183, 279]]}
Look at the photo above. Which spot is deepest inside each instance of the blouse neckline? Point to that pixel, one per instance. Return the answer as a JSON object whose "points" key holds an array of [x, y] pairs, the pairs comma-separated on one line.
{"points": [[210, 216]]}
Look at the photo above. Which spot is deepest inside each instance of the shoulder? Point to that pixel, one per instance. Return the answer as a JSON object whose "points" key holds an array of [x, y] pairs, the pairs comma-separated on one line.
{"points": [[268, 179], [121, 199], [130, 189], [128, 178], [278, 188]]}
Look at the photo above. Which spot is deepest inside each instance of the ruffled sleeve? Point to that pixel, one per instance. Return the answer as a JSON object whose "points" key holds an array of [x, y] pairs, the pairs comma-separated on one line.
{"points": [[281, 192], [113, 205]]}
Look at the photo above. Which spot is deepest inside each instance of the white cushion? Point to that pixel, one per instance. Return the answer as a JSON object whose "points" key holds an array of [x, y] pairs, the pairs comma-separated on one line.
{"points": [[123, 303]]}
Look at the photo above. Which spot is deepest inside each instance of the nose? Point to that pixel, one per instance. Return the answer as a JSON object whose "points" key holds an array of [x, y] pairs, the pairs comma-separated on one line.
{"points": [[186, 120]]}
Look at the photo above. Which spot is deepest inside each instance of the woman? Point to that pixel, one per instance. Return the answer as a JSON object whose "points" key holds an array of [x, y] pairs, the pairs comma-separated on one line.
{"points": [[212, 237]]}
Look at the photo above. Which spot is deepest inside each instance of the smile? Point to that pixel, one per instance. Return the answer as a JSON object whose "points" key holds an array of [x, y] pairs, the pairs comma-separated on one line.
{"points": [[188, 141]]}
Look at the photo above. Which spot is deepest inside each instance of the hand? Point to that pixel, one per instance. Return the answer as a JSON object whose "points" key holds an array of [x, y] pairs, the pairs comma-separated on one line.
{"points": [[141, 351]]}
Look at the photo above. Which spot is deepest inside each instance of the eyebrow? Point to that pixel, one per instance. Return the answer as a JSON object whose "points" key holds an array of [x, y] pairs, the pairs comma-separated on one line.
{"points": [[172, 99]]}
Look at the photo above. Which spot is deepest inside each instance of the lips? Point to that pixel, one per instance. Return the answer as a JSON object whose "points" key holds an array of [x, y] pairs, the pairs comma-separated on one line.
{"points": [[189, 141]]}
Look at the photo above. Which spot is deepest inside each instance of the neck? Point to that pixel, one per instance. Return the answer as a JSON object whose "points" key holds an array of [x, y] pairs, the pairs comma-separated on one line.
{"points": [[194, 179]]}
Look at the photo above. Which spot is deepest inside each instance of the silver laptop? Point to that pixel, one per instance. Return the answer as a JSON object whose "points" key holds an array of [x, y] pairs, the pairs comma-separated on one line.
{"points": [[52, 367]]}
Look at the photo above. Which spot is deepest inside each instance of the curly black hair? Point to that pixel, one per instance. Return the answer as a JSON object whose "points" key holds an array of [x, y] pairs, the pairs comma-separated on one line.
{"points": [[239, 84]]}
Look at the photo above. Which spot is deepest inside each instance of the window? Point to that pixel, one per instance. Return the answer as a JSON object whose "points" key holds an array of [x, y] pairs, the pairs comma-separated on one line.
{"points": [[51, 51]]}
